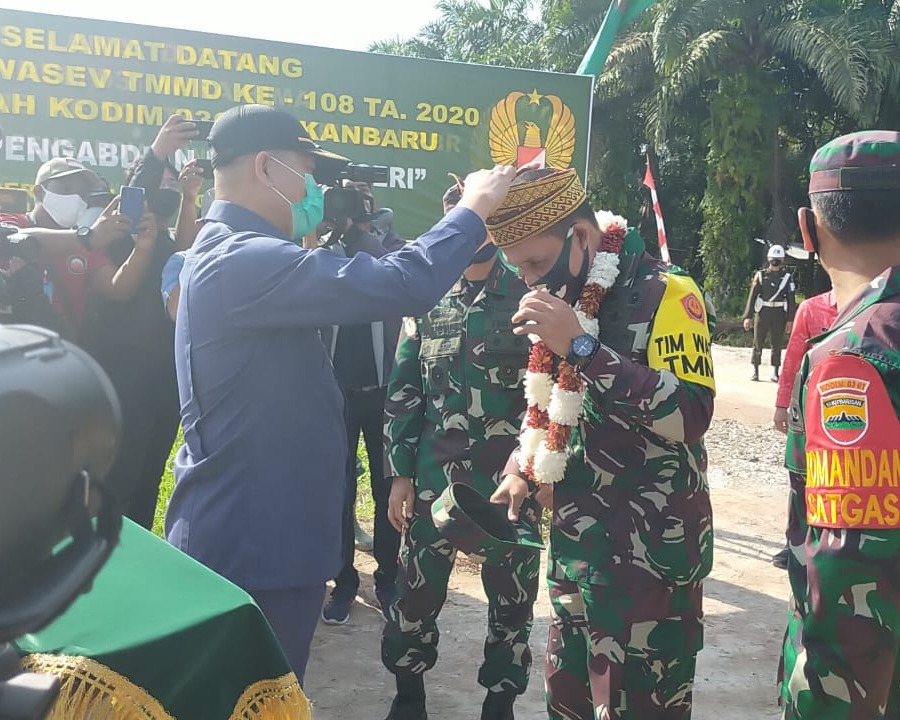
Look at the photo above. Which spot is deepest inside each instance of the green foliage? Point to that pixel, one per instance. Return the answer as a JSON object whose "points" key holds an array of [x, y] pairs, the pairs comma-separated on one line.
{"points": [[734, 96], [741, 140]]}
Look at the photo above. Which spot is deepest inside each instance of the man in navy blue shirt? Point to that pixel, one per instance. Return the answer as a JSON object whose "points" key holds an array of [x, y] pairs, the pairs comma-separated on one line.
{"points": [[260, 479]]}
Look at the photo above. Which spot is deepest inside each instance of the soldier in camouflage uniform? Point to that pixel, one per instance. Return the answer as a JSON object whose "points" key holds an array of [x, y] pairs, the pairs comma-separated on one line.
{"points": [[840, 650], [631, 538], [453, 411]]}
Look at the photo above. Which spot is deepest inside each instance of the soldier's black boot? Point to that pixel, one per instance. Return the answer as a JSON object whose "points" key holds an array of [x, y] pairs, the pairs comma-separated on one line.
{"points": [[755, 376], [498, 706], [775, 374], [409, 702]]}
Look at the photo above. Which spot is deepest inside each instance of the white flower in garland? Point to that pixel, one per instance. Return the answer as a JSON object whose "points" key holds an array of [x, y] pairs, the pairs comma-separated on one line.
{"points": [[556, 399]]}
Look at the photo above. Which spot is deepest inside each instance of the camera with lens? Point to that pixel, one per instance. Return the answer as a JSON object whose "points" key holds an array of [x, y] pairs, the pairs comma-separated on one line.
{"points": [[14, 243], [352, 203], [22, 296]]}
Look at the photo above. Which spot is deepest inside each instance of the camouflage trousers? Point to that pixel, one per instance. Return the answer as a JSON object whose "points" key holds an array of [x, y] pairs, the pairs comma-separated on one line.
{"points": [[839, 659], [410, 639], [622, 653]]}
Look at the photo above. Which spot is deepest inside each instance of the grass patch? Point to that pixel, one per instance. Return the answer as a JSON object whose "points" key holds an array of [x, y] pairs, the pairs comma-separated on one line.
{"points": [[365, 505]]}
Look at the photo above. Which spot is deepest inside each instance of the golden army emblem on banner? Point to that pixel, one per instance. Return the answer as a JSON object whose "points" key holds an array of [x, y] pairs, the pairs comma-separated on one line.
{"points": [[515, 143]]}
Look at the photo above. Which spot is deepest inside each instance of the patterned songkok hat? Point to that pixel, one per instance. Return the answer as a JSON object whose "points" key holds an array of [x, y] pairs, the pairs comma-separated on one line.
{"points": [[533, 207]]}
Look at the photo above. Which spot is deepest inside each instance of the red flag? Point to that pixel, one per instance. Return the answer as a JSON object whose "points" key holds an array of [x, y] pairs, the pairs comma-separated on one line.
{"points": [[660, 226]]}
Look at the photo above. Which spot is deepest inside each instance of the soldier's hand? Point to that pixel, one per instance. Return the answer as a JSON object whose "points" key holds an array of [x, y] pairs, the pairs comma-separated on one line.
{"points": [[485, 190], [401, 503], [551, 318], [748, 323], [512, 491], [781, 420]]}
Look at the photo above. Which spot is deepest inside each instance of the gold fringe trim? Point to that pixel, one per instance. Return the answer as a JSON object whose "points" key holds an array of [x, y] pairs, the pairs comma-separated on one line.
{"points": [[89, 689], [280, 699]]}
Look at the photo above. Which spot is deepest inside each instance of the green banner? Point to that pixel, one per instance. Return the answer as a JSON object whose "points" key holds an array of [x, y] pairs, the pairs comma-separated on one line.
{"points": [[98, 91]]}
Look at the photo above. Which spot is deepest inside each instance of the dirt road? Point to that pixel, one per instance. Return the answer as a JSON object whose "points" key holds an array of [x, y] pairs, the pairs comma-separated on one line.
{"points": [[745, 598]]}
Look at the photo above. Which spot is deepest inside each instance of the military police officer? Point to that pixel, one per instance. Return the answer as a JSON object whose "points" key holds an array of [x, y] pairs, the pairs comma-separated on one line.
{"points": [[772, 305], [453, 411], [841, 647]]}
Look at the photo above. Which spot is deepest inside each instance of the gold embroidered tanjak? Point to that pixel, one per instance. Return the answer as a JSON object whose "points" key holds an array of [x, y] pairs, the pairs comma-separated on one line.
{"points": [[89, 689], [533, 207]]}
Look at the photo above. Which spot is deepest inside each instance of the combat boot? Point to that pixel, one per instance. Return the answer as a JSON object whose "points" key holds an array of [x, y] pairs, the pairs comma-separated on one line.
{"points": [[498, 706], [775, 374], [755, 376], [409, 702]]}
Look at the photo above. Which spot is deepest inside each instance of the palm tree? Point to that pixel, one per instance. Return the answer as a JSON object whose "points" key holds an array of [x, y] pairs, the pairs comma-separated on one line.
{"points": [[754, 61], [503, 32]]}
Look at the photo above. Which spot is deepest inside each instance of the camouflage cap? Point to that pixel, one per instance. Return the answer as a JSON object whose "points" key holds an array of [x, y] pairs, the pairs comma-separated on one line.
{"points": [[531, 208], [868, 160], [475, 526]]}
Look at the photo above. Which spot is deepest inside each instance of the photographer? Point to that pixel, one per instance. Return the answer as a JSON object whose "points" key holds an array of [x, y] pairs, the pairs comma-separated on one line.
{"points": [[74, 219], [133, 337], [363, 357], [259, 481]]}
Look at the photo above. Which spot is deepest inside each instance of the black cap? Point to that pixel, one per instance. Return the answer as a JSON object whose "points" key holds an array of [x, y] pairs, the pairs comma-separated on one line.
{"points": [[248, 129]]}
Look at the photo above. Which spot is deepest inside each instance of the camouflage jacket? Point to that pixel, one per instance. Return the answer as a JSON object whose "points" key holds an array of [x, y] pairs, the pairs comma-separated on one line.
{"points": [[633, 506], [844, 426], [455, 402]]}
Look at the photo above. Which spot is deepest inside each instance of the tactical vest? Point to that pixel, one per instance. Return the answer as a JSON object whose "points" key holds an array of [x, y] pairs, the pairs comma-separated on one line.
{"points": [[441, 332]]}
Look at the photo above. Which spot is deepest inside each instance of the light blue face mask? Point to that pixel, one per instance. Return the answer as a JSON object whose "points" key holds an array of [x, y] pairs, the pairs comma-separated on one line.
{"points": [[306, 214]]}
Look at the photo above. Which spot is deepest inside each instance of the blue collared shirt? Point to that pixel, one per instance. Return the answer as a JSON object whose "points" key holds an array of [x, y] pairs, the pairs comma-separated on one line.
{"points": [[259, 482]]}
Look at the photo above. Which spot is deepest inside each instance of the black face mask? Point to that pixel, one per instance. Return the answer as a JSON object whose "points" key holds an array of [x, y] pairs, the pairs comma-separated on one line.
{"points": [[483, 254], [559, 279], [164, 203]]}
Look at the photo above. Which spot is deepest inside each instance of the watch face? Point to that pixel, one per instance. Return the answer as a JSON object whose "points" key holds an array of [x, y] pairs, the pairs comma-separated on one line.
{"points": [[583, 345]]}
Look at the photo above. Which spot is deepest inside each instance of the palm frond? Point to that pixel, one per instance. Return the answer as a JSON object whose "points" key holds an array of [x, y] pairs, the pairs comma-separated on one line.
{"points": [[707, 56], [841, 51], [629, 62]]}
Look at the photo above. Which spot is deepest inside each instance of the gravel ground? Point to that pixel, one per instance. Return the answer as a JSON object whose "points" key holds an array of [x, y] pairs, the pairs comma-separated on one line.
{"points": [[739, 453]]}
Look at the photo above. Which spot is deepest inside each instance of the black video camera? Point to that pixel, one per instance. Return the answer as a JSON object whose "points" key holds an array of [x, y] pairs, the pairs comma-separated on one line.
{"points": [[14, 243], [349, 203]]}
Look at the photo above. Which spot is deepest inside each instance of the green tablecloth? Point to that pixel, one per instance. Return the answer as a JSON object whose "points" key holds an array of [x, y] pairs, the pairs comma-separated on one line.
{"points": [[160, 636]]}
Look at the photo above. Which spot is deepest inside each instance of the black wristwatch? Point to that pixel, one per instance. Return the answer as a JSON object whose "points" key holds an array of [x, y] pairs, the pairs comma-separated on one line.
{"points": [[583, 347], [84, 236]]}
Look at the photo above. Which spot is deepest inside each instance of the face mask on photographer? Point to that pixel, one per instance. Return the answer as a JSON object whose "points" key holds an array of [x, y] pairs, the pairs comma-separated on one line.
{"points": [[306, 214], [89, 216], [64, 210], [559, 279]]}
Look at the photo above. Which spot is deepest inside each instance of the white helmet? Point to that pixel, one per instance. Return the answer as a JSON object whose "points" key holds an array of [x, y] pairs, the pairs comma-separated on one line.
{"points": [[776, 252]]}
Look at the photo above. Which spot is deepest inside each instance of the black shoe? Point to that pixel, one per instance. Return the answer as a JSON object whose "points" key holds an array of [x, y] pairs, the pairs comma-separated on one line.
{"points": [[755, 376], [780, 559], [409, 703], [498, 706], [775, 374]]}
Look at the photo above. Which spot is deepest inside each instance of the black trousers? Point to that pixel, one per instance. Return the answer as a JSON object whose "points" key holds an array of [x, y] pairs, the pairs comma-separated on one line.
{"points": [[148, 395], [364, 412], [769, 321]]}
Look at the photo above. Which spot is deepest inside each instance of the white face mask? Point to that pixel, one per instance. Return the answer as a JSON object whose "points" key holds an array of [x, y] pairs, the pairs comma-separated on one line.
{"points": [[64, 210], [89, 216]]}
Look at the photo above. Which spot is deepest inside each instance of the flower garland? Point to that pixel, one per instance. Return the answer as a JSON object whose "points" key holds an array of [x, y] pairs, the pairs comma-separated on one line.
{"points": [[556, 402]]}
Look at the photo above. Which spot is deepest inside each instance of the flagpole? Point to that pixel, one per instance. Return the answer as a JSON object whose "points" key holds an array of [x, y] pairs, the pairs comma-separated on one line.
{"points": [[650, 182], [619, 14]]}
